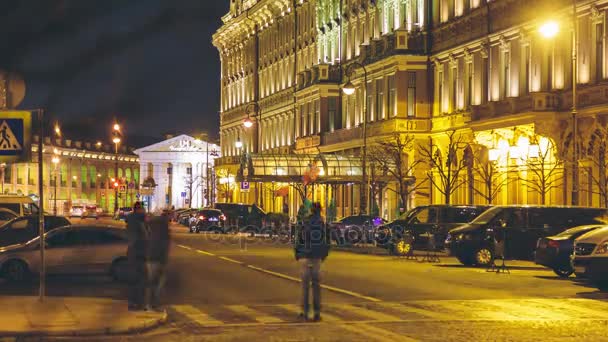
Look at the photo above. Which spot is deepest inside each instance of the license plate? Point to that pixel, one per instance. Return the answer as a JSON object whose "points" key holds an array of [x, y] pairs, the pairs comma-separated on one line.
{"points": [[213, 219], [579, 269], [542, 244]]}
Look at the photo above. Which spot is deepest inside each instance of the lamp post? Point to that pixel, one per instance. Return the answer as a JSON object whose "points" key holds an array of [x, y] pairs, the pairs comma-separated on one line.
{"points": [[349, 89], [248, 123], [116, 138], [549, 30]]}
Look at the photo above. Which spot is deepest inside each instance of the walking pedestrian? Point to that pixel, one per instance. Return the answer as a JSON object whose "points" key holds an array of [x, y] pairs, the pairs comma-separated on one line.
{"points": [[311, 248], [136, 256], [157, 258]]}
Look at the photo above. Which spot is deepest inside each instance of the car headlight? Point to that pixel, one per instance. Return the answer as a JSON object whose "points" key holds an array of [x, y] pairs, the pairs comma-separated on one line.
{"points": [[602, 248]]}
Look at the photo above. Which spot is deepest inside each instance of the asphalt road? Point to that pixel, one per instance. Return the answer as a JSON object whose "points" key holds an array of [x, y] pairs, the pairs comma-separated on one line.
{"points": [[233, 288]]}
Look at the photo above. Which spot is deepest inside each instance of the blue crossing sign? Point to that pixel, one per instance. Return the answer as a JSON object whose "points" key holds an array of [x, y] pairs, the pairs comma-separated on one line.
{"points": [[15, 136]]}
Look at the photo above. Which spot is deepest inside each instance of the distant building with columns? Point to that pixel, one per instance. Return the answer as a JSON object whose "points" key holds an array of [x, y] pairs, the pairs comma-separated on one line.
{"points": [[182, 168]]}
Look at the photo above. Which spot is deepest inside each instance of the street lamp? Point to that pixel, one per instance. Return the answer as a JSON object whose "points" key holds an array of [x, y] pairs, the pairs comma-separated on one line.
{"points": [[238, 144], [550, 30], [248, 123], [116, 138], [349, 89]]}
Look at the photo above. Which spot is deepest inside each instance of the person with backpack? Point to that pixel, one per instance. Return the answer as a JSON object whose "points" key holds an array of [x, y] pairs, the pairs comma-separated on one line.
{"points": [[311, 248]]}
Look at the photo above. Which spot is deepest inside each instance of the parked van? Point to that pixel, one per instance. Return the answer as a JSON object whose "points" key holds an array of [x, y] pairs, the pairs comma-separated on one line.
{"points": [[19, 205], [413, 229], [590, 257], [519, 227]]}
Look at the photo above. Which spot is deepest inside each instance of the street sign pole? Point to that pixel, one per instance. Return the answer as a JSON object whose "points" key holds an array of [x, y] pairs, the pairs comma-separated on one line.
{"points": [[41, 204]]}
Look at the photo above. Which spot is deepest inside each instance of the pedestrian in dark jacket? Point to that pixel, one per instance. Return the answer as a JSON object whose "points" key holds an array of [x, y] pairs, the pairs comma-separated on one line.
{"points": [[157, 258], [136, 256], [311, 248]]}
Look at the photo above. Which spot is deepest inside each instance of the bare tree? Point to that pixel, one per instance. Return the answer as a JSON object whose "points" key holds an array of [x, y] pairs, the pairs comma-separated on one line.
{"points": [[598, 155], [544, 170], [192, 184], [492, 180], [390, 156], [447, 165]]}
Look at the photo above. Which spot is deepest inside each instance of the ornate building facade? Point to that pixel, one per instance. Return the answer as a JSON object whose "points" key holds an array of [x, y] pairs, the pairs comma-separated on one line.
{"points": [[483, 97]]}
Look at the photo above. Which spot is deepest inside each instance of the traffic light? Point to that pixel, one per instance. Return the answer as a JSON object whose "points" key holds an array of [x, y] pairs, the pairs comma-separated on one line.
{"points": [[116, 184]]}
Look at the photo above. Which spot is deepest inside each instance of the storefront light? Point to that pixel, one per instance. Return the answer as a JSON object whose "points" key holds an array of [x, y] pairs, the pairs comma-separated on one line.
{"points": [[533, 151], [493, 154], [514, 152]]}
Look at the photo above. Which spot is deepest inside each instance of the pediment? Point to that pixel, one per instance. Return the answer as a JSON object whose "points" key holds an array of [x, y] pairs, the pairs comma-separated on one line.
{"points": [[181, 143]]}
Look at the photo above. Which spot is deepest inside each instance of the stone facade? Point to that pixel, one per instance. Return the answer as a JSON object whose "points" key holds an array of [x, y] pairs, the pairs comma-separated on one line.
{"points": [[476, 69]]}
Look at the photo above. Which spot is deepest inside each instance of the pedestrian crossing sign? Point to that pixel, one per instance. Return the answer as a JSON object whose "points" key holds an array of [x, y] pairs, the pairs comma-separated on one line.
{"points": [[15, 136]]}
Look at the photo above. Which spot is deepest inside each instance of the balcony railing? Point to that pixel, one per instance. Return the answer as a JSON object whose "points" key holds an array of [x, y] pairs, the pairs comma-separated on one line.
{"points": [[342, 135], [228, 160]]}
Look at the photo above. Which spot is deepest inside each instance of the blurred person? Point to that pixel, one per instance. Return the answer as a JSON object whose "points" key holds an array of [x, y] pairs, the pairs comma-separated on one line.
{"points": [[311, 248], [136, 255], [157, 258]]}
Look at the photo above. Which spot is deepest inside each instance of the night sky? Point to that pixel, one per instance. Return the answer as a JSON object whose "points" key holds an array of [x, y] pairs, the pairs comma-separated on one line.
{"points": [[148, 63]]}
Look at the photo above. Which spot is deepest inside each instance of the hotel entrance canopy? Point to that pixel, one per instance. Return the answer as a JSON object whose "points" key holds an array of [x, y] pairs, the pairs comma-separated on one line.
{"points": [[292, 168]]}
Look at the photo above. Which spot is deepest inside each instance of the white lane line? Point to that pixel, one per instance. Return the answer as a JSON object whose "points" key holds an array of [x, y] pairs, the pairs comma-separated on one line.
{"points": [[285, 276], [254, 314], [204, 252], [367, 313], [197, 315], [231, 260], [296, 310], [185, 247]]}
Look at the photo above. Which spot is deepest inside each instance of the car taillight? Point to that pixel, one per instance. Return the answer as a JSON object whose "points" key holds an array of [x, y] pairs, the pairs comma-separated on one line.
{"points": [[202, 217], [222, 217], [553, 243]]}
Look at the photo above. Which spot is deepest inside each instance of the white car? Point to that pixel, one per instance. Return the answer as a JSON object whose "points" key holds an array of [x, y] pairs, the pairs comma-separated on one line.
{"points": [[590, 258], [75, 249]]}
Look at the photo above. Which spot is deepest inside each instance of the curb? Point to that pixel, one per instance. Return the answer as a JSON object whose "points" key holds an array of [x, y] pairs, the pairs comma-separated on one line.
{"points": [[6, 336]]}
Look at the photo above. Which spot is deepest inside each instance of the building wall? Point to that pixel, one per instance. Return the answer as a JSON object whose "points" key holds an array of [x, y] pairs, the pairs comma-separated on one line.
{"points": [[82, 175], [478, 69]]}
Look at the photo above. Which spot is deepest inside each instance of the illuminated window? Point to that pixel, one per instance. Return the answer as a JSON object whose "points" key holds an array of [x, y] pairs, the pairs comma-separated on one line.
{"points": [[392, 97], [380, 99], [599, 52], [506, 75], [411, 94]]}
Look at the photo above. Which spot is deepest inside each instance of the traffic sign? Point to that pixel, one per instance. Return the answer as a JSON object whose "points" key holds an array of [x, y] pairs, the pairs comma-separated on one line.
{"points": [[183, 194], [245, 186], [15, 136]]}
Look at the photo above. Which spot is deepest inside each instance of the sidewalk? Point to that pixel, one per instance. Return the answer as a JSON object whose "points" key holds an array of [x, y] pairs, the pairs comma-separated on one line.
{"points": [[72, 316]]}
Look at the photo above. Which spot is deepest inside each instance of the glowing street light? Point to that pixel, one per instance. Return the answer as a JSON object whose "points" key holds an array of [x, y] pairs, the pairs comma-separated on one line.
{"points": [[349, 88], [238, 144], [549, 29], [248, 123]]}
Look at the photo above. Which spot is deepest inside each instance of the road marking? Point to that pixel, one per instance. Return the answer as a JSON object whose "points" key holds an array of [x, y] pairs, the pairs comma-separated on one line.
{"points": [[296, 310], [197, 315], [477, 311], [370, 314], [422, 312], [185, 247], [563, 304], [276, 274], [231, 260], [254, 314], [205, 253], [527, 312]]}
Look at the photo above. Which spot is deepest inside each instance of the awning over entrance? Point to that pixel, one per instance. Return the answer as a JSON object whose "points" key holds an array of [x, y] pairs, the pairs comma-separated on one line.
{"points": [[294, 168]]}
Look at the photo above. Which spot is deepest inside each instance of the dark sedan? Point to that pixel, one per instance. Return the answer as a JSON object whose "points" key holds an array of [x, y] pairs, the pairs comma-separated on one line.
{"points": [[555, 251], [211, 220], [25, 228], [355, 229]]}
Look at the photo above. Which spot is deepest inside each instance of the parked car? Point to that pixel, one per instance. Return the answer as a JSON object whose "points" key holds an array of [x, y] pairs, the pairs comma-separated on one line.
{"points": [[354, 229], [69, 250], [184, 217], [248, 218], [25, 228], [413, 229], [519, 227], [6, 215], [19, 205], [211, 220], [84, 211], [590, 258], [121, 213], [556, 251]]}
